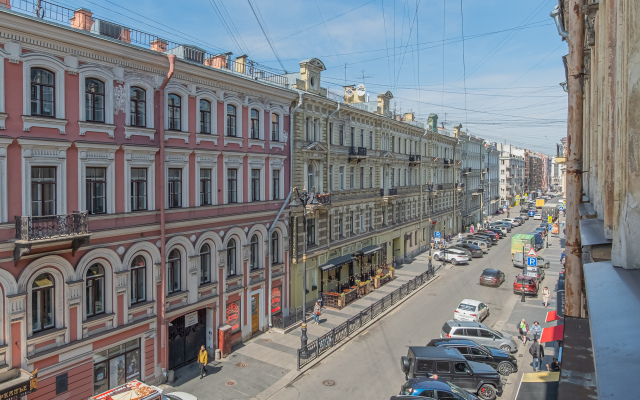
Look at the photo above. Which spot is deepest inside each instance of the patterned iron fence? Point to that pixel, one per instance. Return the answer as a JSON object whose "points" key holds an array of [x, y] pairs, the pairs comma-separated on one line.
{"points": [[319, 346]]}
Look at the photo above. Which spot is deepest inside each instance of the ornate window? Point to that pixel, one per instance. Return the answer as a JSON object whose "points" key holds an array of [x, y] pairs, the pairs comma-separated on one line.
{"points": [[173, 271], [232, 185], [174, 112], [205, 187], [43, 87], [138, 189], [42, 299], [43, 191], [275, 127], [205, 264], [275, 248], [94, 100], [138, 274], [138, 107], [231, 258], [205, 116], [94, 296], [254, 261], [175, 187], [96, 186], [255, 124], [231, 120]]}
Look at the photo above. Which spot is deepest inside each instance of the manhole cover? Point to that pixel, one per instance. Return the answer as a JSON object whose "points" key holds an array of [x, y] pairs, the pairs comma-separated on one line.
{"points": [[230, 383], [241, 365], [329, 382], [266, 340]]}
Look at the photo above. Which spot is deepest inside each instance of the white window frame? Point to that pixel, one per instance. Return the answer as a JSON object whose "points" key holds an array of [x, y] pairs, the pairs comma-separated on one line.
{"points": [[341, 172], [140, 157], [239, 138], [41, 153], [3, 116], [4, 198], [60, 303], [213, 99], [261, 112], [39, 60], [177, 159], [107, 77], [209, 160], [233, 161], [148, 130], [184, 266], [101, 156], [181, 91], [276, 163], [256, 161]]}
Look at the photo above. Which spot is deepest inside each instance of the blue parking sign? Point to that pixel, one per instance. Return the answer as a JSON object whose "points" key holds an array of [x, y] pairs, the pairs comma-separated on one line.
{"points": [[504, 207], [532, 213], [560, 208], [532, 261], [437, 234]]}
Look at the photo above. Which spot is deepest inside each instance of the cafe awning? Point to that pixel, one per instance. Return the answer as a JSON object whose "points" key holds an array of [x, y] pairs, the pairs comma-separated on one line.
{"points": [[365, 251], [552, 316], [336, 262], [552, 334]]}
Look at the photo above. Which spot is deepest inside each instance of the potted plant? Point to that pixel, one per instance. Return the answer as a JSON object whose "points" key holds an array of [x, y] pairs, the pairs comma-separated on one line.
{"points": [[392, 272], [376, 282], [367, 288]]}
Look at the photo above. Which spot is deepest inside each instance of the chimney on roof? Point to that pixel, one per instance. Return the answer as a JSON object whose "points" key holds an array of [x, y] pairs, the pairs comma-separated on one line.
{"points": [[407, 117], [159, 45], [241, 64], [81, 19], [219, 61]]}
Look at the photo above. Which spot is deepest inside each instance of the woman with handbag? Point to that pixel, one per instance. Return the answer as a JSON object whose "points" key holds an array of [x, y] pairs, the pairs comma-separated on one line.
{"points": [[316, 314]]}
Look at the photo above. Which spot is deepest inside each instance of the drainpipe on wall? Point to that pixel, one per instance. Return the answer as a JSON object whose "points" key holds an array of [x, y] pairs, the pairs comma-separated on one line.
{"points": [[329, 178], [161, 107], [284, 205]]}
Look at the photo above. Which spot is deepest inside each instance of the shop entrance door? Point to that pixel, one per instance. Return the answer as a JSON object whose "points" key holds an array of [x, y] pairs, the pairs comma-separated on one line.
{"points": [[185, 341], [255, 313]]}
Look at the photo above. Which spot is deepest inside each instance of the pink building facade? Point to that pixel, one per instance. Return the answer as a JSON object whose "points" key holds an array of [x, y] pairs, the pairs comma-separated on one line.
{"points": [[136, 206]]}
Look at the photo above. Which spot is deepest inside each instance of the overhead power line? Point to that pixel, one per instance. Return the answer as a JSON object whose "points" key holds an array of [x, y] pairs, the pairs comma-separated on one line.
{"points": [[264, 32]]}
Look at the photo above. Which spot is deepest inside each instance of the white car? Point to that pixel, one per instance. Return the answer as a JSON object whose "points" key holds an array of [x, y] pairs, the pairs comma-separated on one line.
{"points": [[514, 222], [537, 216], [451, 255], [471, 310]]}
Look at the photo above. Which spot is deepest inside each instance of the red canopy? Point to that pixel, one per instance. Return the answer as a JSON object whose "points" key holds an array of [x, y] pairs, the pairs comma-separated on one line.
{"points": [[552, 316], [552, 334]]}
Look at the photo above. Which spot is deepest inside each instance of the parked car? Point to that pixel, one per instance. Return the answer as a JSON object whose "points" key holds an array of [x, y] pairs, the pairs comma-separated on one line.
{"points": [[476, 251], [503, 223], [453, 256], [530, 285], [491, 236], [503, 228], [476, 242], [462, 249], [537, 216], [539, 241], [410, 397], [524, 214], [490, 232], [534, 272], [519, 262], [511, 221], [519, 219], [502, 362], [491, 277], [449, 365], [471, 310], [481, 237], [480, 334], [426, 388], [498, 231]]}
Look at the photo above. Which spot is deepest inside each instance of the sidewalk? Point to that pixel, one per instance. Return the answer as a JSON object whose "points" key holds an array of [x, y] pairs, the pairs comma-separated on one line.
{"points": [[268, 362]]}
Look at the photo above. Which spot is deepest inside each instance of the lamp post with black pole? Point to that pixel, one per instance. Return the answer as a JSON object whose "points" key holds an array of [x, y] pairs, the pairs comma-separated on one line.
{"points": [[523, 269], [429, 187], [304, 199]]}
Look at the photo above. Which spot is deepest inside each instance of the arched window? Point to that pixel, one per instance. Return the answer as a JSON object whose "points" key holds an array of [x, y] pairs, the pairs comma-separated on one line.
{"points": [[94, 295], [275, 247], [43, 90], [231, 120], [275, 127], [255, 124], [42, 303], [94, 100], [174, 112], [205, 116], [309, 178], [138, 107], [254, 261], [173, 271], [231, 258], [138, 274], [205, 264]]}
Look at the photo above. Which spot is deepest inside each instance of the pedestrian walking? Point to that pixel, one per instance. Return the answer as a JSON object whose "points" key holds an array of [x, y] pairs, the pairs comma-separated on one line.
{"points": [[523, 328], [471, 229], [537, 352], [459, 236], [316, 313], [562, 258], [203, 358], [545, 296], [537, 331]]}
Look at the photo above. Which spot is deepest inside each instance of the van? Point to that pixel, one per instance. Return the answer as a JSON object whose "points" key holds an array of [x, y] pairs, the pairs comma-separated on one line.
{"points": [[539, 241], [520, 263]]}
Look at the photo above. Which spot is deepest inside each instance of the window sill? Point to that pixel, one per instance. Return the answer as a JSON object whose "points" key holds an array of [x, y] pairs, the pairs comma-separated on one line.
{"points": [[45, 335], [256, 143], [56, 334], [276, 145], [176, 135], [3, 117], [233, 139], [30, 121], [177, 295], [134, 308], [139, 131], [207, 137], [97, 319], [233, 279], [89, 126]]}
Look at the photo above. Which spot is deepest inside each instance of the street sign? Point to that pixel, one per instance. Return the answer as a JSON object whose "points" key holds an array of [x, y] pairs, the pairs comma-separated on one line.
{"points": [[504, 207], [518, 197], [437, 234], [532, 261], [532, 253], [560, 208], [549, 219], [532, 213]]}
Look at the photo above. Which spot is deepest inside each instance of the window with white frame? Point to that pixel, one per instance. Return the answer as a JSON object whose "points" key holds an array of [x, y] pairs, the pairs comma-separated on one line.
{"points": [[97, 175], [232, 267], [174, 112], [94, 291], [173, 271], [96, 190], [206, 195], [138, 279], [43, 88], [94, 103], [255, 124], [275, 127], [205, 116], [342, 186], [43, 303], [205, 264], [174, 187], [275, 248], [352, 178], [137, 107], [275, 184], [232, 123], [138, 190], [255, 184], [254, 256], [232, 185]]}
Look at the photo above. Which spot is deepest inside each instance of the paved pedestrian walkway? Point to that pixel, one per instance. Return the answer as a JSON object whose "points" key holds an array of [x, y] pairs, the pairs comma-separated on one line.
{"points": [[268, 362]]}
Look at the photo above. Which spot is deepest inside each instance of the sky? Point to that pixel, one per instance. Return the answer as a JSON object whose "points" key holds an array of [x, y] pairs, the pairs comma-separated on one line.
{"points": [[493, 66]]}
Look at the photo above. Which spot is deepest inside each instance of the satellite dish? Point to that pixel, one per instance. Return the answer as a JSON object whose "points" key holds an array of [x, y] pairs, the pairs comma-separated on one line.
{"points": [[349, 92], [361, 90]]}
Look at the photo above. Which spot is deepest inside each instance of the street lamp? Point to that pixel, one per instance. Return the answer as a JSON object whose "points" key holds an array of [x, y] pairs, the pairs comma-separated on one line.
{"points": [[304, 198], [430, 190], [523, 269]]}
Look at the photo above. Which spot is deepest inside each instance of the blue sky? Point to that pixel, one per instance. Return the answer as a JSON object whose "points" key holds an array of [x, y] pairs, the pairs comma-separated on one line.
{"points": [[512, 52]]}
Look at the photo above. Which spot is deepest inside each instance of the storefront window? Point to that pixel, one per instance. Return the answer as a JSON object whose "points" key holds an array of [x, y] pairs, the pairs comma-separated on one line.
{"points": [[233, 316], [116, 366], [276, 299]]}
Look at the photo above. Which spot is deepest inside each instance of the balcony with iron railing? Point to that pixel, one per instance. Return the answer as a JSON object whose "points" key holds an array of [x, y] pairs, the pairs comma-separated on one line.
{"points": [[389, 192], [358, 151], [414, 158], [32, 230]]}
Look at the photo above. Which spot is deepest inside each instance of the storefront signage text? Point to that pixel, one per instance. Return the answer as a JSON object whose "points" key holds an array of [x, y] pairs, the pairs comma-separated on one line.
{"points": [[16, 391], [276, 298]]}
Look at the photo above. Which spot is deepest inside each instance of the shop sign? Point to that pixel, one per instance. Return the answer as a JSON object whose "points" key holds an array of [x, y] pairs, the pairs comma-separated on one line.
{"points": [[233, 316], [191, 319], [16, 391], [276, 299]]}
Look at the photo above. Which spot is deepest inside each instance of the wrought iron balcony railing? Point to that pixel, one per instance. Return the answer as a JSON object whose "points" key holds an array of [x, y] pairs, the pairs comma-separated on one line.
{"points": [[357, 151], [415, 158], [51, 226], [324, 199], [389, 192]]}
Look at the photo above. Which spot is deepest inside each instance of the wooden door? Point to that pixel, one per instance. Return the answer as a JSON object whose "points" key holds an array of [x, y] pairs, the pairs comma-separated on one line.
{"points": [[255, 313]]}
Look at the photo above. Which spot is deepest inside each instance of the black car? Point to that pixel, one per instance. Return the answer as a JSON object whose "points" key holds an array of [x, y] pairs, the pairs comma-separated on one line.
{"points": [[498, 231], [490, 236], [492, 277], [476, 252], [451, 366], [502, 362]]}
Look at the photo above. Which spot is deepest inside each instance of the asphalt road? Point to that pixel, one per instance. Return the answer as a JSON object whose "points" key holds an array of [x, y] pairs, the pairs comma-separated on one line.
{"points": [[368, 367]]}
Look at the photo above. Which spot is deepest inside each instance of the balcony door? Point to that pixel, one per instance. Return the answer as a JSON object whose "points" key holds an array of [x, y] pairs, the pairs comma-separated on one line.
{"points": [[43, 191]]}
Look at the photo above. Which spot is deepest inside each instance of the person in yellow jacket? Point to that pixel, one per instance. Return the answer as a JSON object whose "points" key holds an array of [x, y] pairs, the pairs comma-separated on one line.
{"points": [[203, 357]]}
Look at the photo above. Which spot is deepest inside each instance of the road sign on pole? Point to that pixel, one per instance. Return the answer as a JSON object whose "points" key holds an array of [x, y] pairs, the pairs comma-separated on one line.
{"points": [[532, 261], [549, 219], [532, 253], [437, 234], [504, 207], [560, 208]]}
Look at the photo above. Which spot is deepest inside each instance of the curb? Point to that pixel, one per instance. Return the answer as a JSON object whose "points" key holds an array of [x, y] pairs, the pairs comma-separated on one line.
{"points": [[295, 374]]}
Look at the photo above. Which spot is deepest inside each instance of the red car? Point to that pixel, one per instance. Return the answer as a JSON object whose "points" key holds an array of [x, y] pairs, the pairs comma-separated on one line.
{"points": [[530, 285]]}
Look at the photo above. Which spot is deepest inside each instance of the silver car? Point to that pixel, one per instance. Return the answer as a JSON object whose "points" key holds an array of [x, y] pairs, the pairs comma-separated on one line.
{"points": [[480, 334]]}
